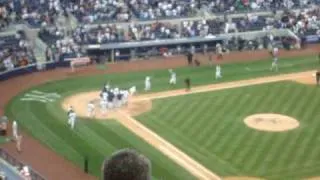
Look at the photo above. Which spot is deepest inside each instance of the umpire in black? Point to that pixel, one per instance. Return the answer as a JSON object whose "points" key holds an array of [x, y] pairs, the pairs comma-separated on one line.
{"points": [[190, 58], [187, 81], [318, 77]]}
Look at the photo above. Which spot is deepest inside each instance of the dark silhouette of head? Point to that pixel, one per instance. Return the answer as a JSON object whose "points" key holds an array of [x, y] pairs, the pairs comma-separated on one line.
{"points": [[126, 164]]}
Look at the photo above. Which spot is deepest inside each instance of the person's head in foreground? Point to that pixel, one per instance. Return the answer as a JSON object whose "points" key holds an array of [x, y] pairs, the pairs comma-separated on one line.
{"points": [[126, 164]]}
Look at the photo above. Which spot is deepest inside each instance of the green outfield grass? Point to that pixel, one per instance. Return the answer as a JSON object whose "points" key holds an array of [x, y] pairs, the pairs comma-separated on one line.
{"points": [[98, 139]]}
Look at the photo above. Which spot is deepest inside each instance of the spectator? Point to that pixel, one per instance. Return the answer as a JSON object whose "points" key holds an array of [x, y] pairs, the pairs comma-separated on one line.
{"points": [[126, 164]]}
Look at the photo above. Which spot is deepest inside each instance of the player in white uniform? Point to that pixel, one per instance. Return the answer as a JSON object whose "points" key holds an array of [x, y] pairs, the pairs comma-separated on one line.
{"points": [[116, 101], [147, 84], [125, 97], [218, 72], [103, 102], [72, 118], [132, 90], [91, 109], [173, 77], [274, 65], [15, 130]]}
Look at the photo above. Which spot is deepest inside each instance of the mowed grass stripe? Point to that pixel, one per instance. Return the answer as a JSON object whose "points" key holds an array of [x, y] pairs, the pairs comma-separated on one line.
{"points": [[203, 118], [219, 116], [212, 124], [298, 110], [182, 116], [308, 95], [192, 148]]}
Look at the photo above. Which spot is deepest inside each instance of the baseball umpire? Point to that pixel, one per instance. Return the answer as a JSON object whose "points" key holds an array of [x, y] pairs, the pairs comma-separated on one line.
{"points": [[318, 77], [188, 84]]}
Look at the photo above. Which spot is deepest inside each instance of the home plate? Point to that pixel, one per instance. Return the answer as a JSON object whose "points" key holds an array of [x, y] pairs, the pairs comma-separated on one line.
{"points": [[314, 75]]}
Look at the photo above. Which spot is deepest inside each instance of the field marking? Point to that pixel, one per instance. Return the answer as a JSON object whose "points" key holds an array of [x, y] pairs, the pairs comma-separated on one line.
{"points": [[170, 150]]}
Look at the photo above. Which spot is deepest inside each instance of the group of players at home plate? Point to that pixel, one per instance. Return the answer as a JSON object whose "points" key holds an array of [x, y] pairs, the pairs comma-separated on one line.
{"points": [[112, 98]]}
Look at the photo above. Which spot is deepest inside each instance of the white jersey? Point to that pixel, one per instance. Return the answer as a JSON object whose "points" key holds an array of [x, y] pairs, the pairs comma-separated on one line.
{"points": [[91, 107], [105, 96], [173, 78], [15, 129], [116, 91], [72, 115], [133, 90], [173, 75], [218, 69], [147, 80]]}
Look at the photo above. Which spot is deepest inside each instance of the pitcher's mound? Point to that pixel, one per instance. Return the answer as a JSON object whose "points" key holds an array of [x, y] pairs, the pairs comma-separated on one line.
{"points": [[241, 178], [271, 122]]}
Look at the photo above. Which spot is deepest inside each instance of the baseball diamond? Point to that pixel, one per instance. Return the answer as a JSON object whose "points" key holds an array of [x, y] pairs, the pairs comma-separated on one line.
{"points": [[196, 134], [159, 89]]}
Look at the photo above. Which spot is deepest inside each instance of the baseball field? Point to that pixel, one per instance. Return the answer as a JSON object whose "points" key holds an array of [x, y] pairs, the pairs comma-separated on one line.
{"points": [[207, 133]]}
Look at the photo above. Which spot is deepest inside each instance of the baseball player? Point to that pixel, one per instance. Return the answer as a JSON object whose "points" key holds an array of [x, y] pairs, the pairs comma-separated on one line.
{"points": [[173, 77], [110, 99], [219, 52], [15, 130], [132, 90], [18, 143], [274, 65], [125, 97], [91, 108], [318, 77], [116, 97], [147, 84], [72, 118], [103, 102], [218, 72]]}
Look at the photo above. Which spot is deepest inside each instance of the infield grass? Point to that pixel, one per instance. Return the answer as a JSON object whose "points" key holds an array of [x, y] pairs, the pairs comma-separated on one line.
{"points": [[209, 127], [98, 139]]}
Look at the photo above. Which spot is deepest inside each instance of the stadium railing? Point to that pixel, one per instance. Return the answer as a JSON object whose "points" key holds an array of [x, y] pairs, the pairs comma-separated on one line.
{"points": [[14, 162]]}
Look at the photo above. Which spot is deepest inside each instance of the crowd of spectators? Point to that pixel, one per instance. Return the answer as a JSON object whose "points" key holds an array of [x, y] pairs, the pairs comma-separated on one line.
{"points": [[60, 46], [151, 9], [15, 51], [35, 12], [299, 22], [202, 28], [99, 35], [89, 11], [233, 6], [153, 31], [45, 12]]}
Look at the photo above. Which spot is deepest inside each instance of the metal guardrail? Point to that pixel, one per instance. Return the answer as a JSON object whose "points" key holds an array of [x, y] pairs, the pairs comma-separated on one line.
{"points": [[14, 162], [245, 35]]}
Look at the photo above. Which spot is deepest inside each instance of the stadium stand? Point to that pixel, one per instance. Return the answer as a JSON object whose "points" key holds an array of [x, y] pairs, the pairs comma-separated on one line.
{"points": [[15, 51]]}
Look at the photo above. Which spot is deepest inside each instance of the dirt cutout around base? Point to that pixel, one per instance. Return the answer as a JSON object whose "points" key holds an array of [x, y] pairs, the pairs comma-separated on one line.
{"points": [[309, 80], [271, 122], [241, 178], [80, 101]]}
